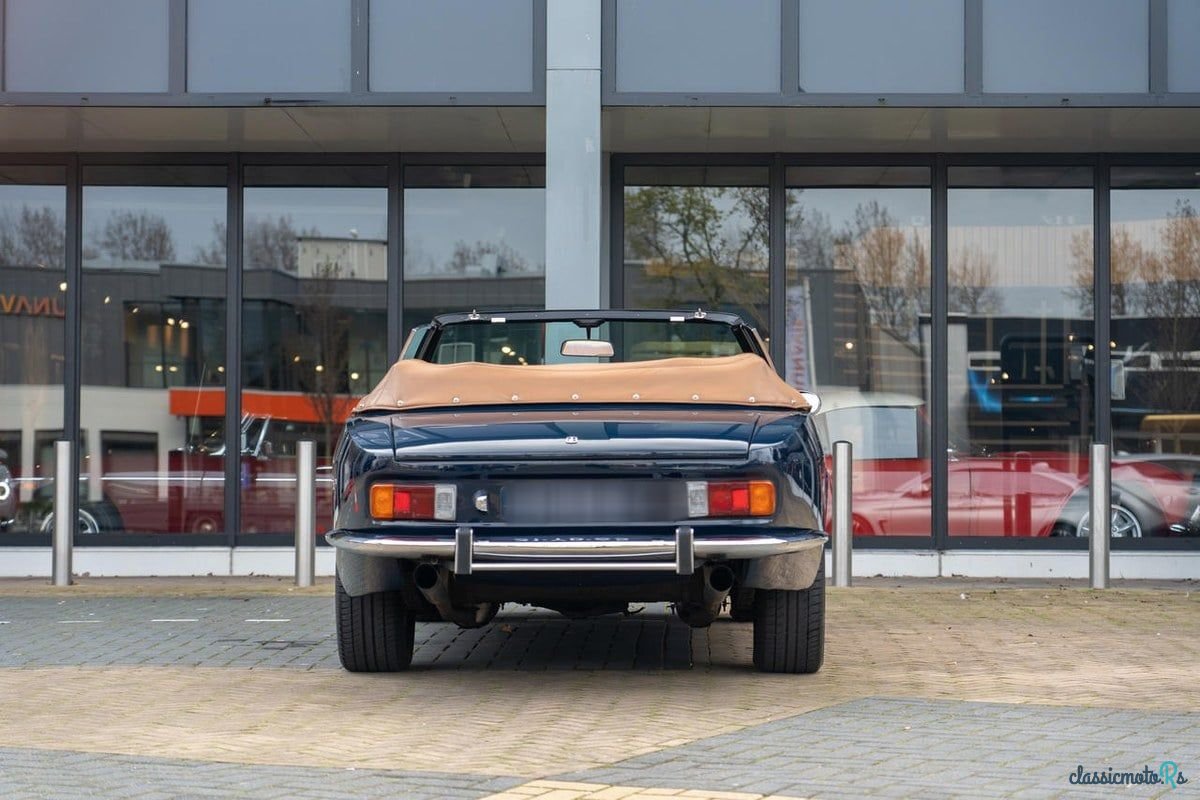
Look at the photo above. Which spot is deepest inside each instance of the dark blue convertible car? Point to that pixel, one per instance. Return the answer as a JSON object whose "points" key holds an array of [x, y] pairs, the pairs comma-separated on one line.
{"points": [[581, 461]]}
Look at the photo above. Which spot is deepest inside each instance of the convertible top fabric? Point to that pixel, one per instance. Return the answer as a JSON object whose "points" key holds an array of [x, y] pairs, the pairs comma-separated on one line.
{"points": [[742, 380]]}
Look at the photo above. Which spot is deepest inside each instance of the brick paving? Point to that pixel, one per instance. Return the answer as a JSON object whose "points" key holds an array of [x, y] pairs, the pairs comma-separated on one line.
{"points": [[28, 774], [297, 632], [888, 747], [926, 692]]}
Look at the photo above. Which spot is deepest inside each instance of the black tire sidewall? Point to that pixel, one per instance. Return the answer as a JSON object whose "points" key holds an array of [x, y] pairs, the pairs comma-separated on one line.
{"points": [[789, 627]]}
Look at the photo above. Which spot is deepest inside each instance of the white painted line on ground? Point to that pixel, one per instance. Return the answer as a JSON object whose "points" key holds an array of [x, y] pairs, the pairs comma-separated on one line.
{"points": [[4, 622], [268, 620], [77, 621], [187, 619]]}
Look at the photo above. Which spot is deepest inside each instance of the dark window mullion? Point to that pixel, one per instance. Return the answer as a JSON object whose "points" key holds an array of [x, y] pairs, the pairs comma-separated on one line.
{"points": [[73, 326], [939, 400], [1102, 294], [233, 348]]}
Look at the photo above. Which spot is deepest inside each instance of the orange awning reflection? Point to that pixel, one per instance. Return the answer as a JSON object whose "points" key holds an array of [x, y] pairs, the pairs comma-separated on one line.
{"points": [[291, 406]]}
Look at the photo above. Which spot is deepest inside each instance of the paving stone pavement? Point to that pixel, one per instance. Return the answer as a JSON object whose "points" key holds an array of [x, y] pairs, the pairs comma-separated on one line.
{"points": [[27, 774], [297, 632], [889, 747], [924, 693]]}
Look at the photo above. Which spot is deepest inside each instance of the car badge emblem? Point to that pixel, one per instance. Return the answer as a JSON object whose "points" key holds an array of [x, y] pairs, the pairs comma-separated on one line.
{"points": [[481, 501], [572, 440]]}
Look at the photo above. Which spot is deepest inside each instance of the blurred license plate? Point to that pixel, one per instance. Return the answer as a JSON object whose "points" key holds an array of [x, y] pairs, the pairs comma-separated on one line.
{"points": [[540, 502]]}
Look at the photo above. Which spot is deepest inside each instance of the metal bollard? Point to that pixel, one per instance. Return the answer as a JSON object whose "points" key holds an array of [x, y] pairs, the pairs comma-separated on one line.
{"points": [[306, 511], [843, 527], [65, 517], [1100, 516]]}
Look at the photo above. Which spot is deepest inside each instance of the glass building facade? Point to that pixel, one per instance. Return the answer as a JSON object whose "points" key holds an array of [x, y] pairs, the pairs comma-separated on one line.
{"points": [[193, 373], [971, 226]]}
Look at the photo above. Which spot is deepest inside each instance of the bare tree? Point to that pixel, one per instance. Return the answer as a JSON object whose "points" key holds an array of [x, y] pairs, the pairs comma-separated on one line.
{"points": [[268, 243], [1127, 259], [325, 336], [214, 252], [272, 244], [1172, 291], [32, 237], [136, 236], [810, 239], [891, 267], [972, 279]]}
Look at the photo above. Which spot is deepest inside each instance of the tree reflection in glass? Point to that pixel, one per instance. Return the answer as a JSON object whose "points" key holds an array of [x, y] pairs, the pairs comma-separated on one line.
{"points": [[698, 246], [858, 295]]}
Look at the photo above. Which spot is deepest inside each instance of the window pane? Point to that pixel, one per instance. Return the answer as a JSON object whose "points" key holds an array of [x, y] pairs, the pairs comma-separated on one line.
{"points": [[314, 326], [1020, 352], [1156, 351], [153, 351], [96, 46], [451, 46], [858, 294], [1066, 45], [881, 45], [269, 46], [1183, 57], [32, 286], [537, 343], [698, 45], [696, 237], [474, 238]]}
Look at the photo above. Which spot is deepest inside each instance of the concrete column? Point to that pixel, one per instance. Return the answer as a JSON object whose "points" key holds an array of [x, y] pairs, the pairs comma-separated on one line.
{"points": [[573, 154]]}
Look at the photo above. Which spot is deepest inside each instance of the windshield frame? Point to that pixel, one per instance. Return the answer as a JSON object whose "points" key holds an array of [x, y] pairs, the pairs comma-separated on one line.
{"points": [[745, 335]]}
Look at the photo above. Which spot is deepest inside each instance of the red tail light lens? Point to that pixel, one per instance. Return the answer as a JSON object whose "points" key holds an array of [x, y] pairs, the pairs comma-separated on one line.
{"points": [[402, 501], [731, 498]]}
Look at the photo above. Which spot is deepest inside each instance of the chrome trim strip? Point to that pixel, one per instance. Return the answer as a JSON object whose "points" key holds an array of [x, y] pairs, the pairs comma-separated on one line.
{"points": [[577, 566]]}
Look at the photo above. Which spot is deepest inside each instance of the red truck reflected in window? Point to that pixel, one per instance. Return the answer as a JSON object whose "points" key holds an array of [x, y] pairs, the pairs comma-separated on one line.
{"points": [[188, 497]]}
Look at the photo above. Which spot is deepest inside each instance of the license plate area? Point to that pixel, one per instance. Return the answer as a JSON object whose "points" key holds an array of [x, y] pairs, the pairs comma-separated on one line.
{"points": [[566, 501]]}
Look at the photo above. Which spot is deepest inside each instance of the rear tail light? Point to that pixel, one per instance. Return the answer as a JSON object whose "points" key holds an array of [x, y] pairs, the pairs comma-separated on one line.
{"points": [[730, 498], [406, 501]]}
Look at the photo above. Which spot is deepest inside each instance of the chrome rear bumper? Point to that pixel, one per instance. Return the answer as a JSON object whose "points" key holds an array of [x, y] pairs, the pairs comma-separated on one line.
{"points": [[680, 554]]}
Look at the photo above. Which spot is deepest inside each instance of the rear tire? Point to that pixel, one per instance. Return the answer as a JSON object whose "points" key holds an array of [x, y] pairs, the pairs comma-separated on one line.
{"points": [[789, 628], [374, 632]]}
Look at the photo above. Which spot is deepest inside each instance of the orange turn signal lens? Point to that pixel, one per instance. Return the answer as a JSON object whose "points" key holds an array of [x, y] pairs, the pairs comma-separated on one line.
{"points": [[381, 501], [762, 498]]}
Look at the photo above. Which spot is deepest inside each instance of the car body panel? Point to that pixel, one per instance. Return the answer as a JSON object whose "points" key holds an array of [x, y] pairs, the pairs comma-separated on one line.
{"points": [[580, 497]]}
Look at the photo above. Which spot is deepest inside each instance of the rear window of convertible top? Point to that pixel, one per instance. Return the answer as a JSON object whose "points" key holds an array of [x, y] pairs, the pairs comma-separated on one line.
{"points": [[535, 342]]}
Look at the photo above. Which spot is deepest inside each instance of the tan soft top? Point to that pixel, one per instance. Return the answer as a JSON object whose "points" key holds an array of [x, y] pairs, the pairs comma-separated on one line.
{"points": [[744, 380]]}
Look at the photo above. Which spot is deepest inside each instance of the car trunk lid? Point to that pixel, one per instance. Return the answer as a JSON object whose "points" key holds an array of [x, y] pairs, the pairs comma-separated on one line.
{"points": [[575, 433]]}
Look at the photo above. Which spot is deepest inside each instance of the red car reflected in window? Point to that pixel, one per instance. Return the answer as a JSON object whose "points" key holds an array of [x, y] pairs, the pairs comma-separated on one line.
{"points": [[1021, 493]]}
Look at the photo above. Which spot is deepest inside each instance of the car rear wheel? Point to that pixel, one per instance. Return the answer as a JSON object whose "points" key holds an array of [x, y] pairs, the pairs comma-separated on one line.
{"points": [[1123, 524], [789, 628], [92, 521], [374, 632], [204, 523]]}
